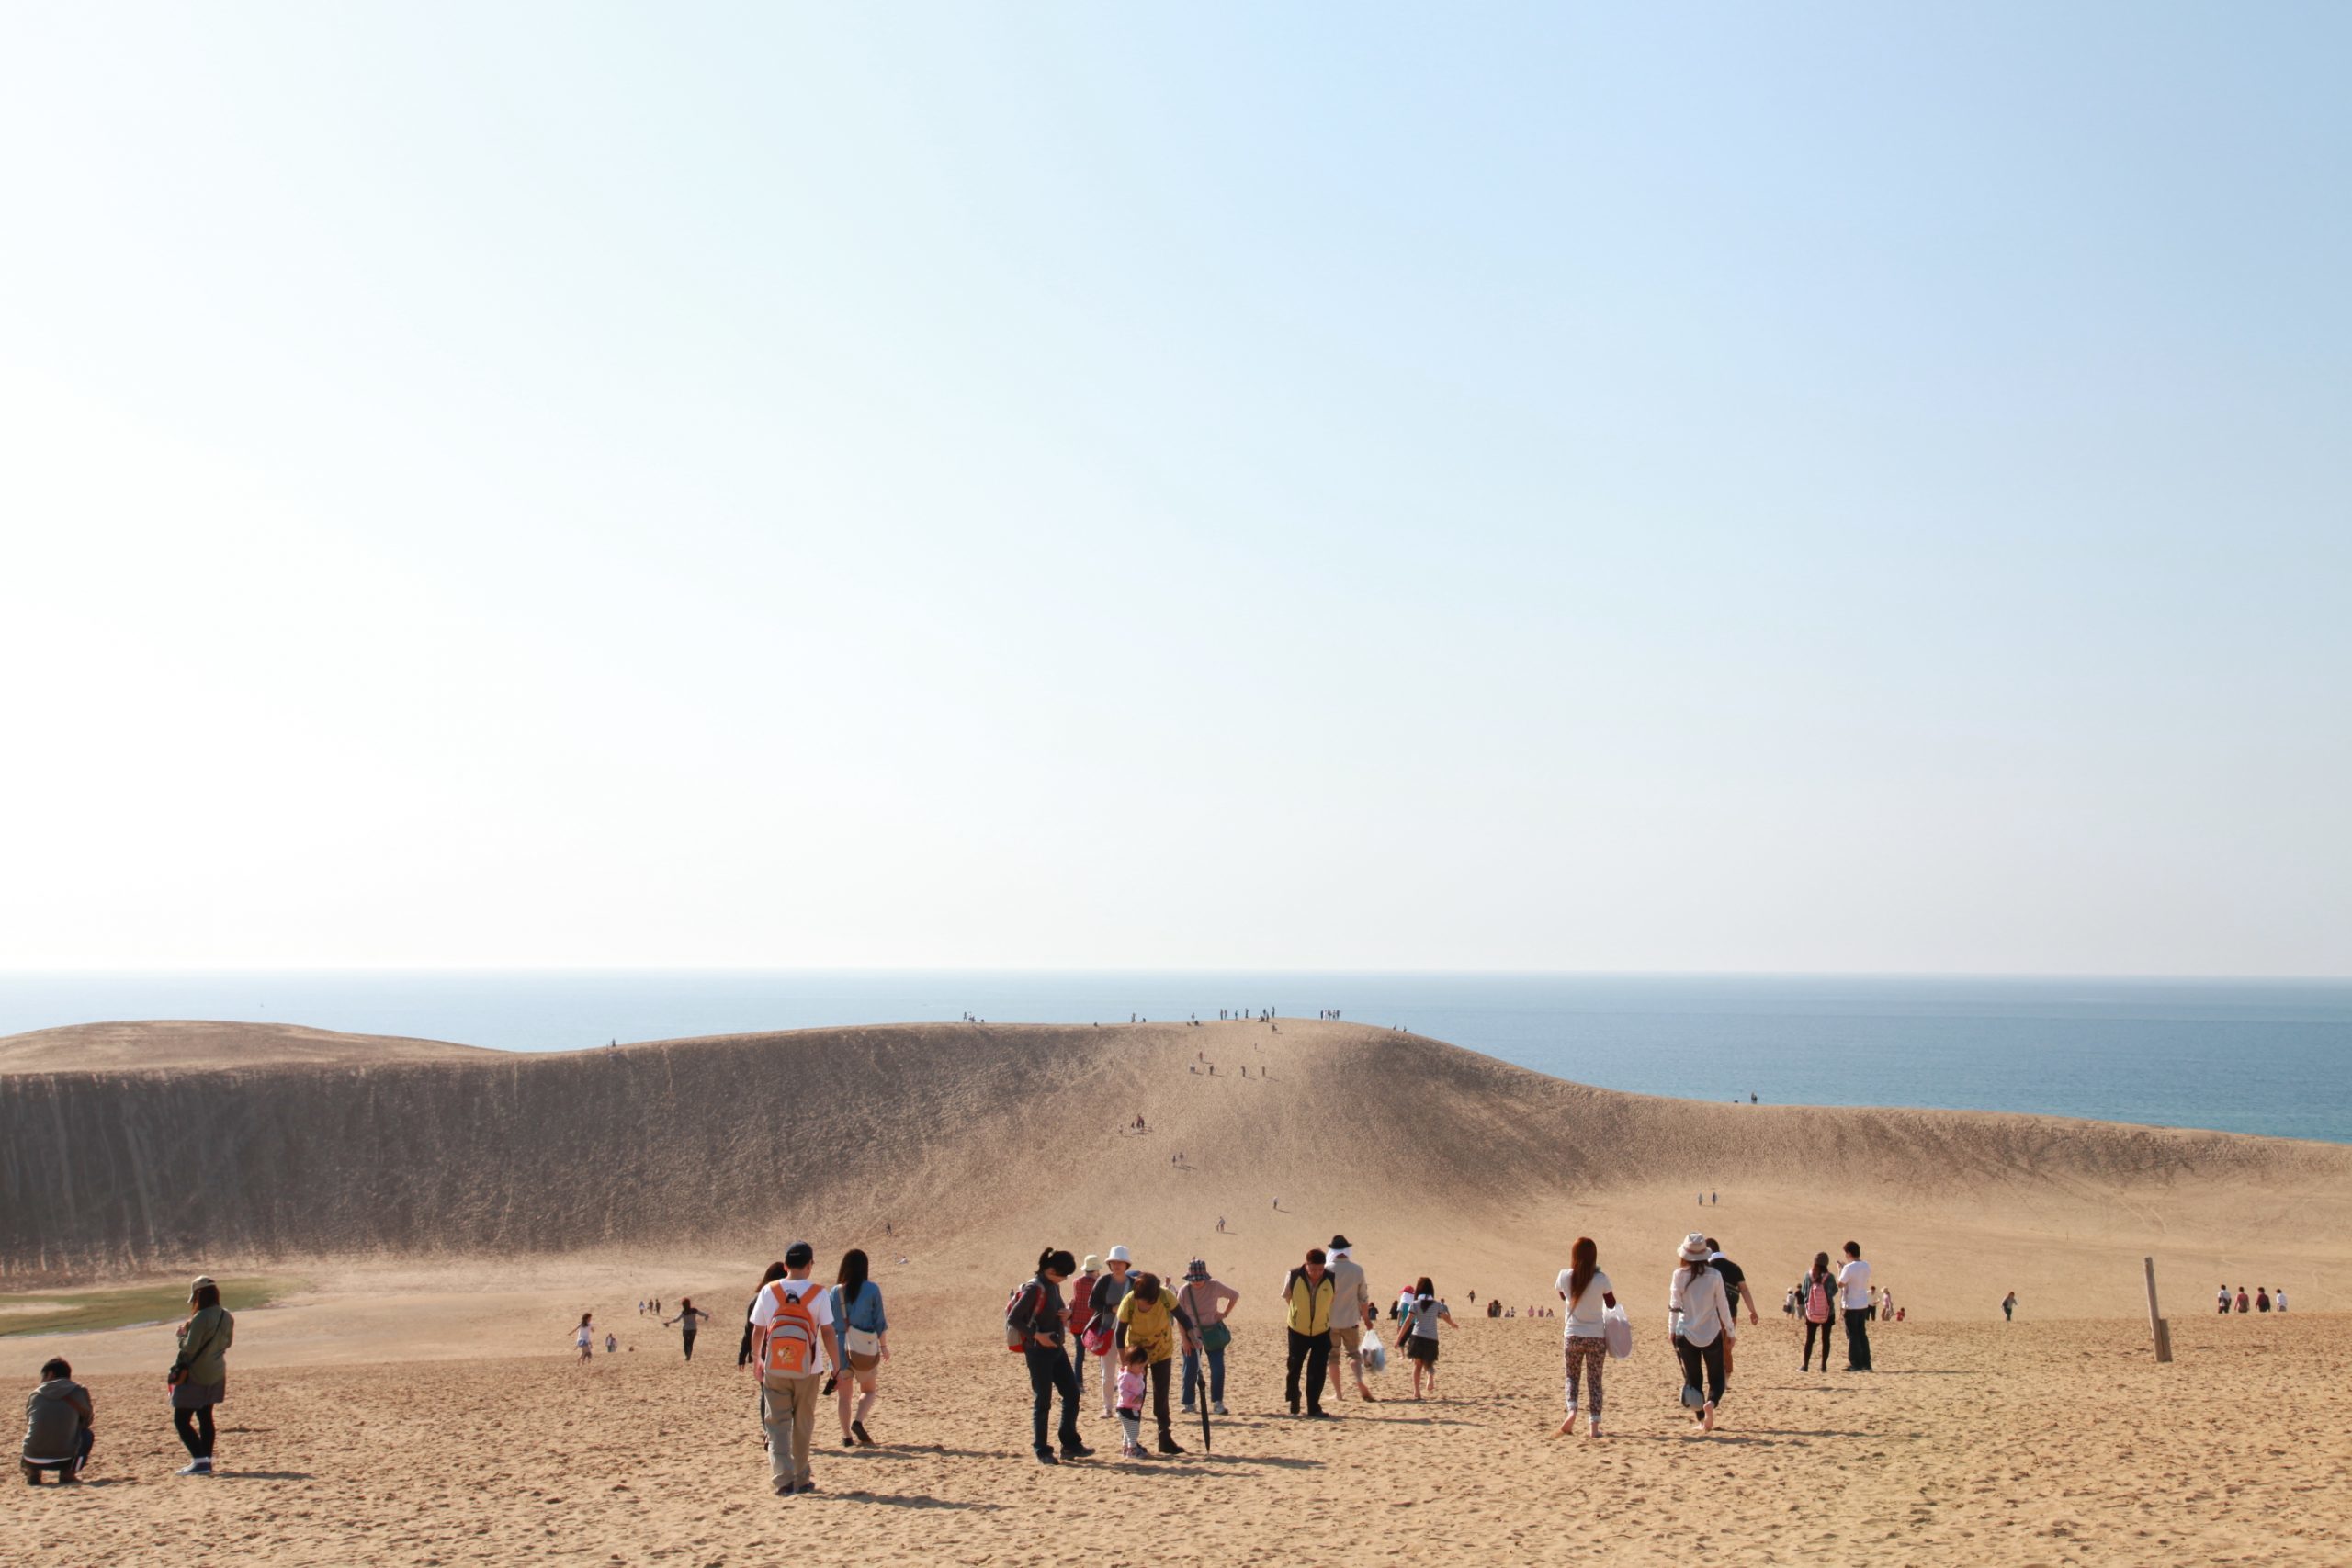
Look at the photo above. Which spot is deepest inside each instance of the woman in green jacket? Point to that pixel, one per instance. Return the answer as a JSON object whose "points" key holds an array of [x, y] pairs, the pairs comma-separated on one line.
{"points": [[200, 1374]]}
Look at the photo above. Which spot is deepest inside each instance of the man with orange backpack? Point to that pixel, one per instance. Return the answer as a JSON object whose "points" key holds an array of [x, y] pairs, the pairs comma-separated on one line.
{"points": [[793, 1347]]}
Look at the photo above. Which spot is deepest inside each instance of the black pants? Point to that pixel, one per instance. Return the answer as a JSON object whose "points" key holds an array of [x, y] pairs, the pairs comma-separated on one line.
{"points": [[1048, 1373], [1702, 1367], [1160, 1372], [1857, 1339], [689, 1337], [195, 1430], [1812, 1328], [66, 1469], [1312, 1352]]}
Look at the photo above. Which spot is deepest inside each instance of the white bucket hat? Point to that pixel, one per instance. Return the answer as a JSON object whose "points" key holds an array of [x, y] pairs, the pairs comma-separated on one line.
{"points": [[1118, 1255], [1694, 1247]]}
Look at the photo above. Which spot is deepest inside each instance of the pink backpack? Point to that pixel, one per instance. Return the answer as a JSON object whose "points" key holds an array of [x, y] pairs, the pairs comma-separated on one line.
{"points": [[1816, 1303]]}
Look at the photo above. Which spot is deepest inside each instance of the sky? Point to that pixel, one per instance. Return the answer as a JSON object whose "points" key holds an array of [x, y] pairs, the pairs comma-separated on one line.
{"points": [[1794, 489]]}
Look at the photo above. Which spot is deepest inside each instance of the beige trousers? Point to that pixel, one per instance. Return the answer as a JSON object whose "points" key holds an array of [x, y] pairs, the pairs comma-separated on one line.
{"points": [[790, 1416]]}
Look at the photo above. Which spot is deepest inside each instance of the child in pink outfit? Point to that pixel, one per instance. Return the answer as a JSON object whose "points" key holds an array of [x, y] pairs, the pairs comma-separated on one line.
{"points": [[1131, 1403]]}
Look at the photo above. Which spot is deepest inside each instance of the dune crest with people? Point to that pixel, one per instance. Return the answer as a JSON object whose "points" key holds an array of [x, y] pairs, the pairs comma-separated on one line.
{"points": [[670, 1142]]}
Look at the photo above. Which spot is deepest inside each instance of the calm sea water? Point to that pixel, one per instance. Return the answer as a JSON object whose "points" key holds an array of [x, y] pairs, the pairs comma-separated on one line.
{"points": [[2270, 1057]]}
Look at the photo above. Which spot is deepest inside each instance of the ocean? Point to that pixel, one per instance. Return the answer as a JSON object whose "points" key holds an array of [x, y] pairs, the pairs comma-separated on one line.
{"points": [[2268, 1056]]}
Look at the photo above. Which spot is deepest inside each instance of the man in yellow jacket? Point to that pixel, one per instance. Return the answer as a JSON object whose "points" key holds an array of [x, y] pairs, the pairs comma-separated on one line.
{"points": [[1309, 1295]]}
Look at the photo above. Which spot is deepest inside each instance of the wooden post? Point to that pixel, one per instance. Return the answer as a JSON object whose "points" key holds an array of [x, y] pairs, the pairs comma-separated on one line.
{"points": [[2162, 1329]]}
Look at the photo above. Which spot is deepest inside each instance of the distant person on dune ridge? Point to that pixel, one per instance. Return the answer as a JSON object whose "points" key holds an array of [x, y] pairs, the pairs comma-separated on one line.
{"points": [[1854, 1295], [1349, 1305], [1819, 1294], [612, 1342], [200, 1375], [2281, 1298], [1419, 1339], [689, 1323], [2224, 1299], [2244, 1305], [1590, 1296], [2009, 1307], [1696, 1312], [793, 1346], [59, 1426], [1208, 1301], [864, 1331], [1103, 1340]]}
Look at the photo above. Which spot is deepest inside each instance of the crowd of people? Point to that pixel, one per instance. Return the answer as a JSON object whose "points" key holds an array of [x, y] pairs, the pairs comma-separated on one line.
{"points": [[1158, 1345]]}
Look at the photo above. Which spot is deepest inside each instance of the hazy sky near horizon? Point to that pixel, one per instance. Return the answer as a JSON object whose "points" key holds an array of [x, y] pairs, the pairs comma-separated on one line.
{"points": [[1817, 488]]}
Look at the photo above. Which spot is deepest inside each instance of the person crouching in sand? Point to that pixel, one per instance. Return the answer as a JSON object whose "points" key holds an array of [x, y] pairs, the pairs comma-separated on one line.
{"points": [[58, 1424], [1696, 1312]]}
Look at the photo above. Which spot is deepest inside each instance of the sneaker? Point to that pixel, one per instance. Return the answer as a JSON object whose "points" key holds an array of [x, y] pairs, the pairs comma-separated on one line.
{"points": [[196, 1467], [857, 1429], [1218, 1408], [849, 1442], [1077, 1451], [1187, 1410], [806, 1486], [1320, 1416], [1045, 1456]]}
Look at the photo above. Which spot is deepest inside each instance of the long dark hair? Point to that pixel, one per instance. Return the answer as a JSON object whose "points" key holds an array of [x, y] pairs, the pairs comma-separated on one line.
{"points": [[1584, 1262], [853, 1276], [205, 1296], [1820, 1267], [775, 1271], [1422, 1288]]}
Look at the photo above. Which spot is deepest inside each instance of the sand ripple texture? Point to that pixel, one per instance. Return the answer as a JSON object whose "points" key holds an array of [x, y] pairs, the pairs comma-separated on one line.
{"points": [[2037, 1443]]}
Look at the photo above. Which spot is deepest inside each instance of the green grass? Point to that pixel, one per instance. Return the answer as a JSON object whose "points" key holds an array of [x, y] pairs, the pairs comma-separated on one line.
{"points": [[79, 1311]]}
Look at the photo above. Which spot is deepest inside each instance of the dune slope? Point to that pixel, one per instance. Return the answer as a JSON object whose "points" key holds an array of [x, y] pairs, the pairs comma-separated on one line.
{"points": [[197, 1044], [980, 1142]]}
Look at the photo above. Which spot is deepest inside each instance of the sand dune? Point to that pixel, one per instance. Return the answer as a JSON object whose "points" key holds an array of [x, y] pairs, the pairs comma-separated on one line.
{"points": [[189, 1045], [977, 1143]]}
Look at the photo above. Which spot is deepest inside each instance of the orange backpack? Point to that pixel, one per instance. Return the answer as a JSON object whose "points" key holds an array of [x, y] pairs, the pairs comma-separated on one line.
{"points": [[791, 1348]]}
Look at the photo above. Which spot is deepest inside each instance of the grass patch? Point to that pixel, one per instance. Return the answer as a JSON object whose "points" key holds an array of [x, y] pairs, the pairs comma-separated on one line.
{"points": [[82, 1312]]}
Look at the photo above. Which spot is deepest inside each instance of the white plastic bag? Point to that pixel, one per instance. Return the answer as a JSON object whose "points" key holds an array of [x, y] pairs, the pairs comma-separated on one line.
{"points": [[1617, 1331], [1376, 1356]]}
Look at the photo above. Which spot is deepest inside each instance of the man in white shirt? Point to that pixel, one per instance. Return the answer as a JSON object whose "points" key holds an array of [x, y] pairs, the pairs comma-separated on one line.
{"points": [[1347, 1317], [788, 1399], [1854, 1297]]}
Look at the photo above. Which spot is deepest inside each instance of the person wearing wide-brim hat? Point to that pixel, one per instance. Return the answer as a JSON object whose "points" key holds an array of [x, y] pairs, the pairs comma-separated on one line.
{"points": [[198, 1377], [1103, 1302], [1696, 1315], [1207, 1302]]}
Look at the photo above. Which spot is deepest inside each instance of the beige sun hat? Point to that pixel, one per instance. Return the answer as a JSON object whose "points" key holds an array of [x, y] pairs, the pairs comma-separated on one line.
{"points": [[1093, 1265], [1694, 1247], [201, 1281]]}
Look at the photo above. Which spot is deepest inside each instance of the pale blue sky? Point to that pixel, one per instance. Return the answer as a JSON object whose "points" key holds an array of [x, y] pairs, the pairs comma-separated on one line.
{"points": [[1732, 488]]}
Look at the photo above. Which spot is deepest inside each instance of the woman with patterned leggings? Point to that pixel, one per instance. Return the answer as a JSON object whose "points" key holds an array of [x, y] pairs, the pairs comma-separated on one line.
{"points": [[1590, 1296]]}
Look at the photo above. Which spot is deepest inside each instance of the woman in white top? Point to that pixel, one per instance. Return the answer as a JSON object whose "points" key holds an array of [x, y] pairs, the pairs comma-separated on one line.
{"points": [[1696, 1314], [1590, 1296]]}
